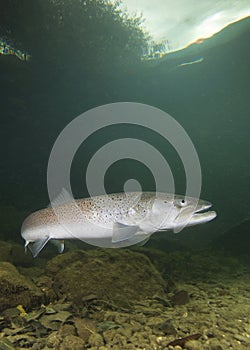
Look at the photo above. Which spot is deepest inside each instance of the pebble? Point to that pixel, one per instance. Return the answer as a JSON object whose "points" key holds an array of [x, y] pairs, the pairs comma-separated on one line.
{"points": [[180, 298], [177, 347], [193, 345], [72, 342], [242, 338], [95, 339], [54, 340]]}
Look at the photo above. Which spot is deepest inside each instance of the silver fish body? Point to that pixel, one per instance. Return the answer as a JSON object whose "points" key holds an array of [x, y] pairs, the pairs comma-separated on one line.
{"points": [[114, 220]]}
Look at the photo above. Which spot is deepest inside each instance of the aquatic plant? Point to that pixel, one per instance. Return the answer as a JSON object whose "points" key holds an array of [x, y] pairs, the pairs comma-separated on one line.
{"points": [[80, 32]]}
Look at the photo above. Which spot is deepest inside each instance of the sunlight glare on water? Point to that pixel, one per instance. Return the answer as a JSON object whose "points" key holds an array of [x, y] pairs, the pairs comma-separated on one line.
{"points": [[183, 22]]}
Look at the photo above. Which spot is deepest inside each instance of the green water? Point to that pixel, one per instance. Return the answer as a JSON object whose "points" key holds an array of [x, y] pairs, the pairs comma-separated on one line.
{"points": [[76, 65]]}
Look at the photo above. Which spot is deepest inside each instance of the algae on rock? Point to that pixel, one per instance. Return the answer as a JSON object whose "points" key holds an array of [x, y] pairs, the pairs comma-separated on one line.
{"points": [[17, 289], [108, 274]]}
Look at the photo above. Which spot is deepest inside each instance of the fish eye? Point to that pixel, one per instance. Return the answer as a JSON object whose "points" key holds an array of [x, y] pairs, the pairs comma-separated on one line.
{"points": [[183, 202]]}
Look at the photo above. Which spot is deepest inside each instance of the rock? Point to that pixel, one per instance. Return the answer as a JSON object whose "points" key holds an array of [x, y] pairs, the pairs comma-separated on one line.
{"points": [[109, 335], [63, 260], [182, 341], [10, 313], [85, 327], [236, 241], [45, 283], [17, 289], [19, 258], [113, 275], [95, 339], [14, 253], [54, 340], [71, 342], [5, 250], [167, 328], [67, 329], [215, 344], [53, 321], [180, 298], [5, 344], [193, 345], [242, 339]]}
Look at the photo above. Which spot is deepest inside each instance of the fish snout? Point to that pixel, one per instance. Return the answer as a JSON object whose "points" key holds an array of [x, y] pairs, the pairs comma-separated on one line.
{"points": [[203, 206]]}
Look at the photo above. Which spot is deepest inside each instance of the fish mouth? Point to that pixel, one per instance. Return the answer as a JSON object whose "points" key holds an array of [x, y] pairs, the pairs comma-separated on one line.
{"points": [[202, 214], [194, 216], [204, 207]]}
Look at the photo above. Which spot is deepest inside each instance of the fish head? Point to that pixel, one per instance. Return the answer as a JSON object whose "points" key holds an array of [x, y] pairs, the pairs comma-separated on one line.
{"points": [[174, 212], [31, 230]]}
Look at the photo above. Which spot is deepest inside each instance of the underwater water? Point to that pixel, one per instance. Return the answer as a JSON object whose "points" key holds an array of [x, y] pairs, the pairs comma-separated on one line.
{"points": [[191, 290]]}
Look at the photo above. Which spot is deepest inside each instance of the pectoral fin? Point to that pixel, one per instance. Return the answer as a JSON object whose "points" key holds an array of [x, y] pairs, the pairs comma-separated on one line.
{"points": [[36, 246], [123, 232]]}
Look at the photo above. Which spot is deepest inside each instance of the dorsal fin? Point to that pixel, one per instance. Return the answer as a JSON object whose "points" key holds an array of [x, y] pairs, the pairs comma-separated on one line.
{"points": [[63, 197]]}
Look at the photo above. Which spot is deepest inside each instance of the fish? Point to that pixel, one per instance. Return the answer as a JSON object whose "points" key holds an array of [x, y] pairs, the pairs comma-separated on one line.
{"points": [[112, 220]]}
